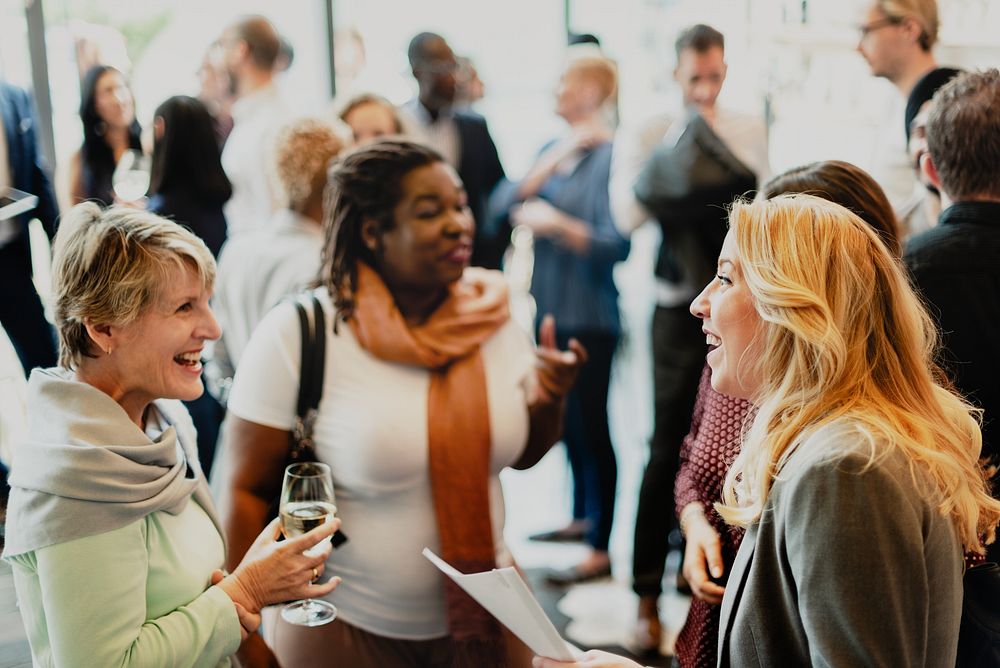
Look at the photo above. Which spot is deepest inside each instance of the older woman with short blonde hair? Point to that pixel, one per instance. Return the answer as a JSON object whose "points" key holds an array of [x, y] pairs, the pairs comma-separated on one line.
{"points": [[111, 534]]}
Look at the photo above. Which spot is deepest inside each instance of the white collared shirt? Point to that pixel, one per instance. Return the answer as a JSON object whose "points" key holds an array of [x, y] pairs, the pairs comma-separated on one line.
{"points": [[441, 135], [248, 159]]}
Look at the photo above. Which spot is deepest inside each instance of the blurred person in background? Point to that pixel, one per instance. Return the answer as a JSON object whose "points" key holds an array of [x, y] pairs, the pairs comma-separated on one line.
{"points": [[111, 533], [918, 110], [462, 137], [215, 92], [107, 112], [250, 48], [370, 117], [188, 184], [662, 171], [563, 201], [897, 39], [23, 168], [258, 269], [471, 88]]}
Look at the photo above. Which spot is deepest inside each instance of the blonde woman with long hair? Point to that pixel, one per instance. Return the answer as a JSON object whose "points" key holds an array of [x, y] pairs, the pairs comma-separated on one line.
{"points": [[859, 480]]}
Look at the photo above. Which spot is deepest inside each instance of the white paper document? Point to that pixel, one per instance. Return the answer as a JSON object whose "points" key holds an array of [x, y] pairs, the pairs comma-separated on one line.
{"points": [[505, 595]]}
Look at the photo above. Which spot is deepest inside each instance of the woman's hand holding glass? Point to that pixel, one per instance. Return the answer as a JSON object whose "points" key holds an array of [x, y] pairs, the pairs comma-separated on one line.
{"points": [[274, 572], [702, 555]]}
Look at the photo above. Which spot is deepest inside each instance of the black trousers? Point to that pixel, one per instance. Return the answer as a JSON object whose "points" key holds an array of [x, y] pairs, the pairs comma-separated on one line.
{"points": [[588, 438], [21, 312], [678, 358]]}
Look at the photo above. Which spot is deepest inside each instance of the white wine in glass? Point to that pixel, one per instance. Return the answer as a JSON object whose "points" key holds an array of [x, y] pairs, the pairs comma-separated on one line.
{"points": [[306, 502], [131, 176]]}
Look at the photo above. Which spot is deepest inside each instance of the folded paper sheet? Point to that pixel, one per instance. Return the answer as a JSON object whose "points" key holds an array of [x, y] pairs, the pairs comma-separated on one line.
{"points": [[505, 595]]}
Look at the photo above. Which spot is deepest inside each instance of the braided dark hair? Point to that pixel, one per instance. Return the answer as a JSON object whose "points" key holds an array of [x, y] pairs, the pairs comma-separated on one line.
{"points": [[365, 184]]}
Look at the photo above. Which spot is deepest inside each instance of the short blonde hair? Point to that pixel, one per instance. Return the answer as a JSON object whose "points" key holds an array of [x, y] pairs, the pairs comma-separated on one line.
{"points": [[846, 337], [305, 148], [924, 12], [109, 265], [598, 70]]}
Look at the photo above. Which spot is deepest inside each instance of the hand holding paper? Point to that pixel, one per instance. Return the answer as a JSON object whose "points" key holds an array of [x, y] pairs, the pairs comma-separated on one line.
{"points": [[505, 596]]}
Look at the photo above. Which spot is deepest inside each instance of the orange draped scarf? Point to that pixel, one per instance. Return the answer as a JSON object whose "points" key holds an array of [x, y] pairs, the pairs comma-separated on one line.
{"points": [[448, 344]]}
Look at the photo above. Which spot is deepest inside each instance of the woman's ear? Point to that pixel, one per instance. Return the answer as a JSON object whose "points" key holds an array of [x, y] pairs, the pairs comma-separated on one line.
{"points": [[369, 235], [102, 335]]}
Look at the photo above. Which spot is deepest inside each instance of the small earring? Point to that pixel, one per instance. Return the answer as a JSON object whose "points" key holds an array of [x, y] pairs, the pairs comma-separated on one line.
{"points": [[109, 350]]}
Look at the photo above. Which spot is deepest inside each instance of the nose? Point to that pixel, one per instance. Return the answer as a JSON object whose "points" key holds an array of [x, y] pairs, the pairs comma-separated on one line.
{"points": [[461, 223], [210, 329], [700, 307]]}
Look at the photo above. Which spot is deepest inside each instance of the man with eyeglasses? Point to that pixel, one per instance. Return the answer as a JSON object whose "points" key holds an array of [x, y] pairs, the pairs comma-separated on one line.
{"points": [[896, 39], [462, 137]]}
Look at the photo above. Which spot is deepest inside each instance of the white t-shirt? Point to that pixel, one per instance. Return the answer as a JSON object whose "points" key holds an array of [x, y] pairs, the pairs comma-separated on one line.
{"points": [[372, 431], [248, 159], [256, 270]]}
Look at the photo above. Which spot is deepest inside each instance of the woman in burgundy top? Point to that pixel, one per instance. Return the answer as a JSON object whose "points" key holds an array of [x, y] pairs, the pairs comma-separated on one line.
{"points": [[714, 439]]}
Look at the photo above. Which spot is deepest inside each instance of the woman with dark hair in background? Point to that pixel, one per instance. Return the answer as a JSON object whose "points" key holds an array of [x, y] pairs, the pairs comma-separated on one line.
{"points": [[107, 111], [188, 183]]}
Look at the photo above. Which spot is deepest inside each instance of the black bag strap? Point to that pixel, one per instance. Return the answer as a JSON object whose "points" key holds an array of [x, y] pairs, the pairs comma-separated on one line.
{"points": [[313, 337]]}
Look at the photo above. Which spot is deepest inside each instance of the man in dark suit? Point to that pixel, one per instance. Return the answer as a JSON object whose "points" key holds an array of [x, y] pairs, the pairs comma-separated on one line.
{"points": [[954, 265], [23, 168], [462, 137]]}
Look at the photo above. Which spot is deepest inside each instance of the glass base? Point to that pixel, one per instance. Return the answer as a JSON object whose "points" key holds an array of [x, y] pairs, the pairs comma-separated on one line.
{"points": [[309, 613]]}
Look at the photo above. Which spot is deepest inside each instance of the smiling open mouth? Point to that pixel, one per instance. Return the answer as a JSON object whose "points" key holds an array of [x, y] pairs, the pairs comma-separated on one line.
{"points": [[189, 360]]}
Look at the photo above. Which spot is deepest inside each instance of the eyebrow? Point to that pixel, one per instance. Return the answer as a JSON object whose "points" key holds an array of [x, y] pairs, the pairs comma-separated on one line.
{"points": [[725, 260]]}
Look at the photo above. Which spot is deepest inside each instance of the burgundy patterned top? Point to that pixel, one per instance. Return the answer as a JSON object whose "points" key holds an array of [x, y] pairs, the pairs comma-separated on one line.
{"points": [[708, 450]]}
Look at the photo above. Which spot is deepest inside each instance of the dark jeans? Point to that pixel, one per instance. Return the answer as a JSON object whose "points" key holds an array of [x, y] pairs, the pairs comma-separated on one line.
{"points": [[588, 439], [21, 312], [678, 358]]}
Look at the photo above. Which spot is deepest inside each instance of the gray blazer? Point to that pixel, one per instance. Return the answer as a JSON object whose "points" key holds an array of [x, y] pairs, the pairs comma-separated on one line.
{"points": [[846, 567]]}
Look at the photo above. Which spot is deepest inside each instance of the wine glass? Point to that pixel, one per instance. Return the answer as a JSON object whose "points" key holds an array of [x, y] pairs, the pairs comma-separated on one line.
{"points": [[131, 176], [306, 502]]}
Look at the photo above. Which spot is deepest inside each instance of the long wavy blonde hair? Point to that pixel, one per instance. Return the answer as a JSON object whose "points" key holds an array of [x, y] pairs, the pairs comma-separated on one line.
{"points": [[845, 336]]}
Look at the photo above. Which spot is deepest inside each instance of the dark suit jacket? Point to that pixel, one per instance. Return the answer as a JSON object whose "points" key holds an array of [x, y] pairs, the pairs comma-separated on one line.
{"points": [[27, 167], [480, 169], [847, 566], [955, 267]]}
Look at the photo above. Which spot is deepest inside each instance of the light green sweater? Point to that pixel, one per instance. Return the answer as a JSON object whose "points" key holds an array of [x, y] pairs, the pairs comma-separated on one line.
{"points": [[135, 596]]}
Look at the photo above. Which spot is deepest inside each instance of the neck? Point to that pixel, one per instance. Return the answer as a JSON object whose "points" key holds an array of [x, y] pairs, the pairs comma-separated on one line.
{"points": [[417, 305], [312, 208], [433, 107], [98, 373], [117, 138], [588, 119], [251, 80], [915, 69]]}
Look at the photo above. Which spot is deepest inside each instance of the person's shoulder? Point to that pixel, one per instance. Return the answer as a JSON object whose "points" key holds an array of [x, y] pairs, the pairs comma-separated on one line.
{"points": [[469, 116], [940, 246], [19, 95]]}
